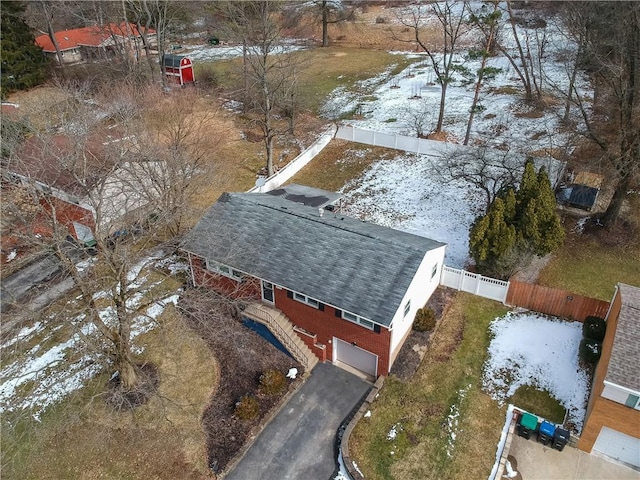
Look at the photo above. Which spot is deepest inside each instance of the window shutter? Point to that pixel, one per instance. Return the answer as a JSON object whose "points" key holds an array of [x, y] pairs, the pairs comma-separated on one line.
{"points": [[289, 294], [376, 328], [321, 307], [338, 313]]}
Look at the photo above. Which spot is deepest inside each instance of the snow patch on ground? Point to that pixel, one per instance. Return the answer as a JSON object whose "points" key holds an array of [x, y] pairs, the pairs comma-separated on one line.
{"points": [[452, 425], [540, 351], [207, 53], [400, 193]]}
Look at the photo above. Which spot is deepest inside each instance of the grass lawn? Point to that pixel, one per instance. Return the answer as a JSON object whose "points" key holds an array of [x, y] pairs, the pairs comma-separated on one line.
{"points": [[321, 71], [538, 402], [447, 427], [588, 267], [339, 163], [82, 438]]}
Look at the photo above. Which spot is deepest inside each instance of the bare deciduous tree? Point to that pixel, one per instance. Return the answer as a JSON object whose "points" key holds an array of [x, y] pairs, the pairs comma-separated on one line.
{"points": [[487, 22], [531, 42], [613, 121], [269, 73], [487, 170], [76, 182], [452, 19]]}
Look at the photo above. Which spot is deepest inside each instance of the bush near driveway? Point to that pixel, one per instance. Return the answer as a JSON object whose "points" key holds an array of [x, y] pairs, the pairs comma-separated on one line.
{"points": [[445, 426]]}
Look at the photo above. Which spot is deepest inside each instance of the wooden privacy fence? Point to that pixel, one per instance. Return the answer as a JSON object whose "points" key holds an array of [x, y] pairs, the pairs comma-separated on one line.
{"points": [[553, 301]]}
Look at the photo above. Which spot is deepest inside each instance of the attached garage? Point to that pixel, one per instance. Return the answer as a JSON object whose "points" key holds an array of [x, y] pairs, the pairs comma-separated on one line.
{"points": [[355, 357], [618, 446]]}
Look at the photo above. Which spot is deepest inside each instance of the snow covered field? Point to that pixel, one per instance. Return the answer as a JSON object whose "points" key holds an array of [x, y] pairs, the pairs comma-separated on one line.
{"points": [[404, 193], [540, 351]]}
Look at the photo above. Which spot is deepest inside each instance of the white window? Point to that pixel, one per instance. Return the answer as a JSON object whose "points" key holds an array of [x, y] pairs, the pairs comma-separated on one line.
{"points": [[633, 401], [312, 302], [407, 308], [359, 320], [434, 271], [224, 270]]}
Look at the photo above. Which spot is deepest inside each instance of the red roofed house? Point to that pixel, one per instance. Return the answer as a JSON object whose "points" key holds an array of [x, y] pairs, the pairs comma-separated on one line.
{"points": [[82, 44]]}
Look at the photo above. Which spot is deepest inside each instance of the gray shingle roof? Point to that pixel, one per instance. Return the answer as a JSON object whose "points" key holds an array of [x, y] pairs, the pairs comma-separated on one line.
{"points": [[356, 266], [625, 353]]}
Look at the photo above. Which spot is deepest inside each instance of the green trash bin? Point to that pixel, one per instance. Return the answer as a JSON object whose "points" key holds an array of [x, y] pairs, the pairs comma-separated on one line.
{"points": [[526, 425]]}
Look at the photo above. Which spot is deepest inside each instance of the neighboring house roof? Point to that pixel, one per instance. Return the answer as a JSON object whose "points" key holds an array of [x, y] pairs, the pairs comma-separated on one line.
{"points": [[625, 352], [53, 160], [589, 179], [88, 36], [353, 265]]}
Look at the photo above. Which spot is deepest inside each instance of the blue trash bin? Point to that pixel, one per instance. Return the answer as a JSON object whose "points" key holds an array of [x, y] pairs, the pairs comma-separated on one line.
{"points": [[546, 432]]}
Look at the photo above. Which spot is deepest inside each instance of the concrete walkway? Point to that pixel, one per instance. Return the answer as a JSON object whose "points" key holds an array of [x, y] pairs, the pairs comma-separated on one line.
{"points": [[534, 461], [300, 441]]}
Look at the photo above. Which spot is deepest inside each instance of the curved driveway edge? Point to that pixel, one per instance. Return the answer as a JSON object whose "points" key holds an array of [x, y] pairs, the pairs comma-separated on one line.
{"points": [[299, 443], [344, 444]]}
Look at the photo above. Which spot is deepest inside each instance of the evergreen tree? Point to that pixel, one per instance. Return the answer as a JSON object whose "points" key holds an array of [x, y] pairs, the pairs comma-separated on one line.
{"points": [[23, 64], [538, 224], [492, 239], [518, 225]]}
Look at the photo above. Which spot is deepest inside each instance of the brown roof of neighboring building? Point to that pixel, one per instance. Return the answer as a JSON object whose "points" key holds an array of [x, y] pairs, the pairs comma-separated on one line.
{"points": [[623, 367], [54, 160], [87, 36]]}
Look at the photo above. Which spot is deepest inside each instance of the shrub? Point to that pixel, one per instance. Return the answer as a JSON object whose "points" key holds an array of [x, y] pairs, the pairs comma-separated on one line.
{"points": [[272, 382], [381, 20], [594, 328], [247, 408], [590, 350], [425, 320]]}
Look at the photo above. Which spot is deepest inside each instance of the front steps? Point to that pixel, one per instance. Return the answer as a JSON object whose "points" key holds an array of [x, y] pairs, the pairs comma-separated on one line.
{"points": [[282, 328]]}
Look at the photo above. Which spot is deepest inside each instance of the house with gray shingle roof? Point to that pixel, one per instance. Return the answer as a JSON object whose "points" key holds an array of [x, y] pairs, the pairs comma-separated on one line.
{"points": [[612, 423], [349, 288]]}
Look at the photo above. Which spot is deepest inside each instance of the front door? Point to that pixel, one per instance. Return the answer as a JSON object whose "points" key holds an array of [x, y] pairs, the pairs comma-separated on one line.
{"points": [[267, 292]]}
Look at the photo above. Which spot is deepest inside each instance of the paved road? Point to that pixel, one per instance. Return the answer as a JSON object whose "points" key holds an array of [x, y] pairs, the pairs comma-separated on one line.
{"points": [[299, 444]]}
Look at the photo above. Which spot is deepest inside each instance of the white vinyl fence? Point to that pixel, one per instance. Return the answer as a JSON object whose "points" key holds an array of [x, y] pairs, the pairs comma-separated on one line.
{"points": [[474, 283], [295, 165], [393, 140], [434, 148]]}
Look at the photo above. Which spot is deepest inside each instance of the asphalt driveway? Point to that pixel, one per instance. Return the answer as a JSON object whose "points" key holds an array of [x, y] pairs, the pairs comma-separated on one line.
{"points": [[300, 441]]}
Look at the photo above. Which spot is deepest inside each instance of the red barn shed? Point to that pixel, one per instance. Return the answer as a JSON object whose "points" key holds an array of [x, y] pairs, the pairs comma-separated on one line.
{"points": [[178, 69]]}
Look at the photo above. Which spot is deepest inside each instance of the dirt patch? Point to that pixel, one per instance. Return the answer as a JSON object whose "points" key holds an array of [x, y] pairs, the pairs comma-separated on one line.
{"points": [[531, 272], [120, 399], [417, 344], [243, 356]]}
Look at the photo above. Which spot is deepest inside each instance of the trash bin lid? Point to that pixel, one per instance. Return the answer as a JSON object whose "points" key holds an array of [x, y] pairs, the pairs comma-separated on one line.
{"points": [[547, 428], [529, 421], [561, 433]]}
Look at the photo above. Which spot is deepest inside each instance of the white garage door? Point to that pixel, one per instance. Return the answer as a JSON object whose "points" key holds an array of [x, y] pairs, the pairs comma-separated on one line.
{"points": [[355, 357], [618, 446]]}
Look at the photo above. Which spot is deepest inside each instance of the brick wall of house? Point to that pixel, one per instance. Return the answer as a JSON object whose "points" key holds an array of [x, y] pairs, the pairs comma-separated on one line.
{"points": [[321, 326], [248, 289], [602, 411], [325, 325], [311, 341]]}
